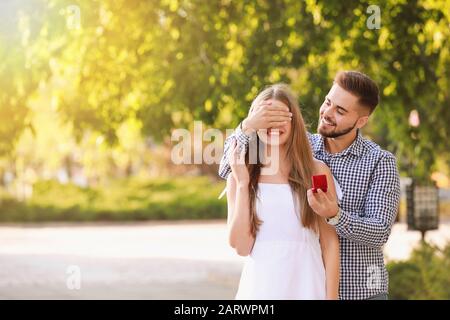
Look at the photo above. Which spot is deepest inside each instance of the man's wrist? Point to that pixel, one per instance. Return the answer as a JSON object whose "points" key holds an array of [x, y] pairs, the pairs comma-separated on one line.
{"points": [[333, 214], [245, 128], [334, 219]]}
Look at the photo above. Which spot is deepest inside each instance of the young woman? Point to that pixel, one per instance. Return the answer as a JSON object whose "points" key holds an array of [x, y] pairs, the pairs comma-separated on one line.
{"points": [[292, 253]]}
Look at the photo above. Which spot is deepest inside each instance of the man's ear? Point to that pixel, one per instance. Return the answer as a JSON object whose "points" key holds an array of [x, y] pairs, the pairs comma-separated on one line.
{"points": [[362, 121]]}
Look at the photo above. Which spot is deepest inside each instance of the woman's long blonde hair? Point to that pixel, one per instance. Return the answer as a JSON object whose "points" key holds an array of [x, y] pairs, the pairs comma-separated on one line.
{"points": [[298, 152]]}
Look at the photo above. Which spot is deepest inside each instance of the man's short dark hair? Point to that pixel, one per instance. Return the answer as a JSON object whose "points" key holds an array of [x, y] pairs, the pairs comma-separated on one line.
{"points": [[361, 86]]}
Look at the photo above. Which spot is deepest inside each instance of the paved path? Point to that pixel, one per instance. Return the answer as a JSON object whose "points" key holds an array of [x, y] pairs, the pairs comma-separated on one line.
{"points": [[181, 260]]}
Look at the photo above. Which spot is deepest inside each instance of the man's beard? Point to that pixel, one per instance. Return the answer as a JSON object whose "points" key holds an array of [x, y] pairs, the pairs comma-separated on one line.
{"points": [[336, 134]]}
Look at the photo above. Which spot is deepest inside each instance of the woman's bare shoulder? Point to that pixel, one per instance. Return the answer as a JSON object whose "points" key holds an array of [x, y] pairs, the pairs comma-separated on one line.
{"points": [[320, 167]]}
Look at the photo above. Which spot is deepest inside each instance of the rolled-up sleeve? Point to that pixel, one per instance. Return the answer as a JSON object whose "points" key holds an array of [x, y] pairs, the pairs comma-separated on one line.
{"points": [[372, 227]]}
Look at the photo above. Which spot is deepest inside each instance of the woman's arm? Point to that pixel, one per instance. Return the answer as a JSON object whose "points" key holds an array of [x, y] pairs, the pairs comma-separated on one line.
{"points": [[239, 224], [240, 237], [329, 243]]}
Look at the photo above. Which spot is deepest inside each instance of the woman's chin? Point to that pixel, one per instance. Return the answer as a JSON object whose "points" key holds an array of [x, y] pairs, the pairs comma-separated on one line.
{"points": [[275, 143], [273, 139]]}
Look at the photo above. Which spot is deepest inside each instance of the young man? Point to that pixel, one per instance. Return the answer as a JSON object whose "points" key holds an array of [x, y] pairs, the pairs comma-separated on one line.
{"points": [[367, 175]]}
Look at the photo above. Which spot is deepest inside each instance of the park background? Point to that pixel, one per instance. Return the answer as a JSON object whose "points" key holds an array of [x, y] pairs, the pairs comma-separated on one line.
{"points": [[91, 91]]}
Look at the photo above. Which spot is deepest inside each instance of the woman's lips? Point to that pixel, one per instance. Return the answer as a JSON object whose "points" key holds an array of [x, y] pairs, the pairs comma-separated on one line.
{"points": [[274, 132]]}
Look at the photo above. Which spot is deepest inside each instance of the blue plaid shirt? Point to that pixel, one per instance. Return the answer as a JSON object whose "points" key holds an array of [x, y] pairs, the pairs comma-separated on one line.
{"points": [[370, 183]]}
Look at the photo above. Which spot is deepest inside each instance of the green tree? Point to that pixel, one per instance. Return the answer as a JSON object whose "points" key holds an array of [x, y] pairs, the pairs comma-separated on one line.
{"points": [[165, 63]]}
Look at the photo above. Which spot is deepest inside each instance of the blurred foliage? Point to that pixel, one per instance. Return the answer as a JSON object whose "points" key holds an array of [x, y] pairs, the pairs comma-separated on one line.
{"points": [[424, 276], [23, 66], [164, 63], [120, 200]]}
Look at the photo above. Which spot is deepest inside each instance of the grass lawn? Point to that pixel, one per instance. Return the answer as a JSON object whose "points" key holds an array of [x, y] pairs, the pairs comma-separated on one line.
{"points": [[129, 200], [120, 200]]}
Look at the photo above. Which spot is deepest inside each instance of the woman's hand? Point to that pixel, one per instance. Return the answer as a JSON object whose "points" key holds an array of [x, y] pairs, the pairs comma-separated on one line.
{"points": [[237, 164]]}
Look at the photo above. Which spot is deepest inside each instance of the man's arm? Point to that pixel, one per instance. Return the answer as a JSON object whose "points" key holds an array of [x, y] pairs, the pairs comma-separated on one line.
{"points": [[373, 229]]}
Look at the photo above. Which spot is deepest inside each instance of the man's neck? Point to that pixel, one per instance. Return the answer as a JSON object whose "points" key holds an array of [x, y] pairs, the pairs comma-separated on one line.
{"points": [[336, 145]]}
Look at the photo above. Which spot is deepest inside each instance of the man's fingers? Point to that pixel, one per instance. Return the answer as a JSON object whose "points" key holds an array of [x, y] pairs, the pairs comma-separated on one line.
{"points": [[317, 197], [327, 194], [277, 124], [265, 104], [255, 108], [321, 196], [277, 107], [273, 107], [281, 113], [258, 106], [278, 119], [311, 198]]}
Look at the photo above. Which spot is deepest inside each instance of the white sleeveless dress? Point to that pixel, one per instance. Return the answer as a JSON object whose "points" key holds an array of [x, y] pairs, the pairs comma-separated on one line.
{"points": [[286, 259]]}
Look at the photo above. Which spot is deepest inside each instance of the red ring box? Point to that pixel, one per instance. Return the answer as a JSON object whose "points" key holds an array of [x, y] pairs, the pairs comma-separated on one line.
{"points": [[319, 182]]}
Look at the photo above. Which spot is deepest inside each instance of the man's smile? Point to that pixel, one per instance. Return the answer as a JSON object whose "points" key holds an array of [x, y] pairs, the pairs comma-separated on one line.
{"points": [[327, 122]]}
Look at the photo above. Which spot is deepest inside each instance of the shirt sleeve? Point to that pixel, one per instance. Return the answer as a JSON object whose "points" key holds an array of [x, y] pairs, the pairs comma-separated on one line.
{"points": [[243, 140], [372, 227]]}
